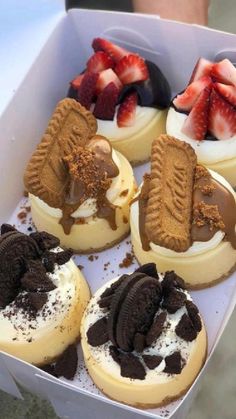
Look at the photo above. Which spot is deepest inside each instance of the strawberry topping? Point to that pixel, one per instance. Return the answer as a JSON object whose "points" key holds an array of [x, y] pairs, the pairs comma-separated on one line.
{"points": [[105, 78], [202, 68], [195, 125], [227, 91], [75, 83], [127, 110], [186, 100], [222, 117], [99, 61], [131, 68], [106, 102], [87, 89], [115, 52], [224, 72]]}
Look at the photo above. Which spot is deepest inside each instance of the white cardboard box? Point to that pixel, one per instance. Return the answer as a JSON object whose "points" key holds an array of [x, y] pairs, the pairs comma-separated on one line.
{"points": [[56, 56]]}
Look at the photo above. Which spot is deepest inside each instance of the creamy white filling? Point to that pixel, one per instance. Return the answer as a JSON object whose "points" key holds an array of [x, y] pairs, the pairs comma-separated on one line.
{"points": [[208, 152], [197, 248], [167, 343], [88, 207], [110, 129], [17, 326]]}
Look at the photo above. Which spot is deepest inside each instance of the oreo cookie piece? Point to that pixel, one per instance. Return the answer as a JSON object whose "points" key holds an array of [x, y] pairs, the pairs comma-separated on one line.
{"points": [[173, 300], [194, 315], [185, 329], [63, 257], [115, 354], [173, 363], [37, 282], [149, 269], [156, 328], [105, 302], [5, 228], [66, 364], [37, 300], [97, 334], [132, 367], [172, 280], [139, 342], [137, 311], [152, 361], [49, 260], [111, 290], [119, 297], [45, 241]]}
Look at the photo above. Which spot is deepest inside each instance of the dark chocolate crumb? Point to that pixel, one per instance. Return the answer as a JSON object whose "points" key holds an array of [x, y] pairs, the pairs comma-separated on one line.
{"points": [[152, 361], [66, 365], [194, 315], [97, 334], [131, 367], [174, 300], [185, 329], [156, 328], [173, 363]]}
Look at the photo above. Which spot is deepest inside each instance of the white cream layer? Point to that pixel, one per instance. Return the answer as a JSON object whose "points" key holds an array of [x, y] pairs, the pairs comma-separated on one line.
{"points": [[167, 343], [17, 326], [197, 247], [110, 129], [208, 152], [88, 207]]}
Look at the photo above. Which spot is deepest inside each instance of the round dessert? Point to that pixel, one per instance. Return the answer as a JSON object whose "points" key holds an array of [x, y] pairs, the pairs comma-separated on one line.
{"points": [[128, 95], [79, 189], [42, 299], [184, 217], [204, 116], [143, 339]]}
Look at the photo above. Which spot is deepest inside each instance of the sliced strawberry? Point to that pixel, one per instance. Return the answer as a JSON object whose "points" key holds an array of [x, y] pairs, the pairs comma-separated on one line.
{"points": [[222, 117], [105, 78], [87, 89], [202, 68], [224, 72], [195, 125], [186, 100], [227, 91], [106, 102], [116, 52], [99, 61], [127, 110], [131, 68], [75, 83]]}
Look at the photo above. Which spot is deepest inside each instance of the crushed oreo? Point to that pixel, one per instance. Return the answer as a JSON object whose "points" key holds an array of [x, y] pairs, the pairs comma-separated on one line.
{"points": [[172, 280], [66, 364], [45, 240], [156, 328], [174, 300], [185, 329], [194, 315], [139, 342], [97, 334], [173, 363], [131, 367], [149, 269], [152, 361]]}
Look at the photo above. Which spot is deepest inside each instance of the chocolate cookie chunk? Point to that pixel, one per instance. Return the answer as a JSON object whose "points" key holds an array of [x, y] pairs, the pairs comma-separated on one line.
{"points": [[172, 280], [139, 342], [194, 315], [115, 354], [137, 311], [37, 282], [185, 329], [156, 328], [66, 365], [174, 300], [120, 294], [97, 334], [173, 363], [111, 290], [63, 257], [149, 269], [152, 361], [37, 300], [6, 228], [131, 367], [45, 240]]}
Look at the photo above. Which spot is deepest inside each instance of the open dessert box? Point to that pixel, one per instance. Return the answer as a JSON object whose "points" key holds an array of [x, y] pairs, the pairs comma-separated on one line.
{"points": [[175, 47]]}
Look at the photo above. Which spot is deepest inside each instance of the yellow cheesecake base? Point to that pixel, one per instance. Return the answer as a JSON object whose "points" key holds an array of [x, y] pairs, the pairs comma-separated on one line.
{"points": [[49, 343], [138, 393], [137, 148], [95, 234], [199, 271]]}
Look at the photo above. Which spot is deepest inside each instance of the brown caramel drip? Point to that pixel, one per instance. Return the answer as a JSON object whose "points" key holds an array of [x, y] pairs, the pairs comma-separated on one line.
{"points": [[142, 201], [91, 170], [212, 211]]}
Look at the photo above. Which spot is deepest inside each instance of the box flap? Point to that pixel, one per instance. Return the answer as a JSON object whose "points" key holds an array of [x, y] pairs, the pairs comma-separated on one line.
{"points": [[25, 27]]}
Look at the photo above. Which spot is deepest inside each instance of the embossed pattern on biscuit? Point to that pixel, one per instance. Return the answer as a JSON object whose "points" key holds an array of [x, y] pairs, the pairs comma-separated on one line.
{"points": [[71, 125], [169, 207]]}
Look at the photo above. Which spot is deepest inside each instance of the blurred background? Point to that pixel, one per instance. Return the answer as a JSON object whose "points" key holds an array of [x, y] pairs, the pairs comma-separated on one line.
{"points": [[217, 396]]}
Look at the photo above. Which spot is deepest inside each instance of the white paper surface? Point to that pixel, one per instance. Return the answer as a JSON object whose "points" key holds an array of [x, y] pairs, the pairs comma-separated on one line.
{"points": [[175, 48]]}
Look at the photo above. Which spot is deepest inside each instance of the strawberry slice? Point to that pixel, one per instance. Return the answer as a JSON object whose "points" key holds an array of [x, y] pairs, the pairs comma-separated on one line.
{"points": [[116, 52], [202, 68], [224, 72], [227, 91], [222, 117], [105, 78], [195, 125], [106, 102], [131, 68], [75, 83], [87, 89], [99, 61], [186, 100], [127, 110]]}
